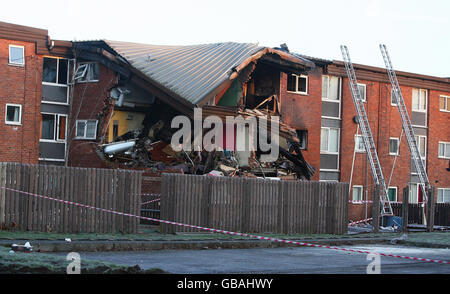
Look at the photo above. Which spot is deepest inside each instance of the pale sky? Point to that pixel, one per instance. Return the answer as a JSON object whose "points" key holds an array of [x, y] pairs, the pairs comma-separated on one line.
{"points": [[416, 32]]}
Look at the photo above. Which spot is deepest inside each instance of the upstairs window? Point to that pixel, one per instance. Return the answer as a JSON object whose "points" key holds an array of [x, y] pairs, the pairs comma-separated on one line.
{"points": [[303, 137], [393, 98], [419, 100], [444, 150], [444, 103], [87, 72], [330, 88], [53, 127], [16, 55], [297, 84], [329, 140], [393, 146], [13, 114], [86, 129], [55, 71], [359, 144], [362, 91], [421, 142]]}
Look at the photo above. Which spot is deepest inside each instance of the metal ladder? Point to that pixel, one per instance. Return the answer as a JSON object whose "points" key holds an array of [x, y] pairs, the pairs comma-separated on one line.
{"points": [[369, 144], [406, 123]]}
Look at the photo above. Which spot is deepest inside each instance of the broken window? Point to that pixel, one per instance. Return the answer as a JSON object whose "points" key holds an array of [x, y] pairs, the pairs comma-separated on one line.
{"points": [[359, 144], [55, 71], [53, 126], [13, 114], [87, 72], [303, 138], [297, 84], [16, 55], [86, 129]]}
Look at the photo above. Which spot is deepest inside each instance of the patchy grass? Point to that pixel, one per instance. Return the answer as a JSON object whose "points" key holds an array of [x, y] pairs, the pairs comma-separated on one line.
{"points": [[155, 235], [435, 238], [41, 263]]}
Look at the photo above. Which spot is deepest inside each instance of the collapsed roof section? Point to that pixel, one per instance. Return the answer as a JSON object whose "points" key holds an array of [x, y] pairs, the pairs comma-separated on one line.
{"points": [[191, 74]]}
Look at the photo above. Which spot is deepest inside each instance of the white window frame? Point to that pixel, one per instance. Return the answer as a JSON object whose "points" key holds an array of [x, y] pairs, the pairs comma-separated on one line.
{"points": [[398, 146], [396, 193], [443, 191], [392, 95], [414, 199], [357, 136], [59, 85], [328, 147], [365, 92], [423, 158], [446, 145], [296, 84], [11, 62], [19, 123], [447, 101], [56, 129], [85, 126], [331, 100], [426, 100], [85, 72], [361, 194]]}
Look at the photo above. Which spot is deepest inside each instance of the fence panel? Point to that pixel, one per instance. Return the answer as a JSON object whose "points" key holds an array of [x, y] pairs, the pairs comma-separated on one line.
{"points": [[117, 190], [254, 205]]}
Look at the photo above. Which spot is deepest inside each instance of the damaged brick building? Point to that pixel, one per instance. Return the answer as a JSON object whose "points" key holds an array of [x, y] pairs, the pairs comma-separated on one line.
{"points": [[109, 104]]}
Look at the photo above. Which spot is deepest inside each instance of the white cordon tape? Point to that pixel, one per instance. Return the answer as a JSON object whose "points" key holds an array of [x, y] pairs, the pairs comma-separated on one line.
{"points": [[360, 221], [360, 202], [151, 194], [151, 201], [231, 233]]}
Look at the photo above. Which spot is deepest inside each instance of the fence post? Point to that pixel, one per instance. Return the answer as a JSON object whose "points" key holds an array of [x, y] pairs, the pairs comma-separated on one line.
{"points": [[405, 205], [431, 204], [376, 209], [2, 192]]}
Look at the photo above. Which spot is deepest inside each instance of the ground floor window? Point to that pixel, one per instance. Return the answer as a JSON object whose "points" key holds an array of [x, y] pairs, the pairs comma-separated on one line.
{"points": [[443, 195], [13, 115], [53, 126], [357, 193], [86, 129], [392, 194]]}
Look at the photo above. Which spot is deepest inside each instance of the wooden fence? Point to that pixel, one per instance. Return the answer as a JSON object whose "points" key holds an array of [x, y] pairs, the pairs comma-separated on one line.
{"points": [[254, 205], [117, 190], [441, 213]]}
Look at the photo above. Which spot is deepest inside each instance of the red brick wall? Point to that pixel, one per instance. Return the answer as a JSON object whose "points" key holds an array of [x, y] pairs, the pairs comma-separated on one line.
{"points": [[303, 112], [20, 85], [89, 101]]}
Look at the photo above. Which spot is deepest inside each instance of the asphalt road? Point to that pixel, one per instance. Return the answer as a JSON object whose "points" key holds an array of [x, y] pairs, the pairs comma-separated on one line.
{"points": [[295, 260]]}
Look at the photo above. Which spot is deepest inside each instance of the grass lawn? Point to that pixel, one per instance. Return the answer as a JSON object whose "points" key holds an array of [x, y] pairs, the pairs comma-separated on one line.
{"points": [[41, 263]]}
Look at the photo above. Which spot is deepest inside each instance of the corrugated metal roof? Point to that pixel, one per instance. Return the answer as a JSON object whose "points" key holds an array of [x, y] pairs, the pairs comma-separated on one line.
{"points": [[190, 71]]}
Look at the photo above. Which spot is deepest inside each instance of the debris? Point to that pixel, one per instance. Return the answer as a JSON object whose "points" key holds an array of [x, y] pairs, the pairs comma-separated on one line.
{"points": [[215, 173], [68, 240], [22, 248]]}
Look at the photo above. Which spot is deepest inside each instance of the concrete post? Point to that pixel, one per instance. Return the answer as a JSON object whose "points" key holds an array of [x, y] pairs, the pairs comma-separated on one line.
{"points": [[430, 209], [376, 209], [405, 209]]}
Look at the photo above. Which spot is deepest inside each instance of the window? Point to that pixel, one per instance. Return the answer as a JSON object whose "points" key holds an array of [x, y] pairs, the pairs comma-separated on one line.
{"points": [[55, 71], [357, 194], [362, 91], [421, 145], [419, 100], [87, 72], [393, 146], [16, 55], [297, 84], [359, 144], [444, 103], [53, 127], [444, 150], [393, 99], [330, 88], [13, 115], [329, 140], [392, 194], [303, 137], [86, 129], [443, 195]]}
